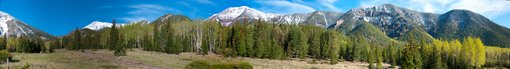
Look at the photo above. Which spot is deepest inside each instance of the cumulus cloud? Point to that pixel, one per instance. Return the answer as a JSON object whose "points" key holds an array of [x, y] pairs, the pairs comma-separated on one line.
{"points": [[284, 7], [147, 12], [489, 8]]}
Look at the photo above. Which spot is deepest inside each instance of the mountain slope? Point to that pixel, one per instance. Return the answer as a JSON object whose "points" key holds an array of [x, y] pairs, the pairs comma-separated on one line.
{"points": [[169, 18], [459, 24], [13, 27], [397, 22], [233, 14], [389, 18], [371, 34]]}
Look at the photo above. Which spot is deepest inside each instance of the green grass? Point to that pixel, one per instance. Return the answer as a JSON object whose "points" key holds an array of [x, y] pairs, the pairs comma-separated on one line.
{"points": [[202, 64], [65, 59], [61, 59]]}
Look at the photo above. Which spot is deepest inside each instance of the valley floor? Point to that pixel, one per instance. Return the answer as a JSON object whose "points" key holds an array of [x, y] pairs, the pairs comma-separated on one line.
{"points": [[139, 59]]}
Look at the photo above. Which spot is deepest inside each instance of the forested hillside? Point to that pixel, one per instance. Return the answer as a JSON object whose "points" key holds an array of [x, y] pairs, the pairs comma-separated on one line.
{"points": [[259, 39]]}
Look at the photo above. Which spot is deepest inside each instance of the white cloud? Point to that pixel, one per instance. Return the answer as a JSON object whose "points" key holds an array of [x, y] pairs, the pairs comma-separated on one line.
{"points": [[147, 12], [489, 8], [284, 7], [329, 4]]}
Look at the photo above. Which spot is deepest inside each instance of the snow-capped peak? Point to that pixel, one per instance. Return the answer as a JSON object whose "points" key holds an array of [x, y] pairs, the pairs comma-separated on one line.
{"points": [[11, 26], [4, 17], [97, 25], [229, 15]]}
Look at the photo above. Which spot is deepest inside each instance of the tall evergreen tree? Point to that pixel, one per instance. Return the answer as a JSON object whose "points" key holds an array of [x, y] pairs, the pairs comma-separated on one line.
{"points": [[171, 42], [412, 57], [77, 40], [115, 41], [297, 42]]}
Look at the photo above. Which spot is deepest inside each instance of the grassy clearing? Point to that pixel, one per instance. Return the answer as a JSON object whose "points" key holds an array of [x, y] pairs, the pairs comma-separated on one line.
{"points": [[65, 59], [173, 61], [202, 64], [62, 59]]}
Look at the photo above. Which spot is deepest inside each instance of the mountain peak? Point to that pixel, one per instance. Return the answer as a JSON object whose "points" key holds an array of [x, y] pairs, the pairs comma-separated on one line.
{"points": [[229, 15], [97, 25], [460, 11], [12, 27], [4, 17]]}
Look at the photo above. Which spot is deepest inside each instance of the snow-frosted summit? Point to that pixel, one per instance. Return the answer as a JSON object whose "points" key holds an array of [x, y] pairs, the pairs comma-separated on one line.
{"points": [[4, 17], [97, 25], [244, 13], [229, 15], [13, 27]]}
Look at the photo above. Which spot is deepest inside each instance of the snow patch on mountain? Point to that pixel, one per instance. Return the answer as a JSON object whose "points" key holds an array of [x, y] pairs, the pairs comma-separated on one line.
{"points": [[4, 17], [244, 13], [97, 25], [230, 15]]}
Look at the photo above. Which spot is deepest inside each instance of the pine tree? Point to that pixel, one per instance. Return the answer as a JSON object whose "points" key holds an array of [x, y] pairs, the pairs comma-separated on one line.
{"points": [[260, 39], [379, 57], [360, 49], [249, 41], [314, 41], [77, 40], [116, 42], [171, 41], [297, 42], [239, 39], [371, 56], [412, 58], [393, 55]]}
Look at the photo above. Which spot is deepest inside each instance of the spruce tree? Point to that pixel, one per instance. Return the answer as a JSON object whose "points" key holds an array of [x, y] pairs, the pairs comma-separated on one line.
{"points": [[260, 39], [393, 55], [412, 58], [297, 42], [171, 42], [116, 42], [314, 41], [77, 40]]}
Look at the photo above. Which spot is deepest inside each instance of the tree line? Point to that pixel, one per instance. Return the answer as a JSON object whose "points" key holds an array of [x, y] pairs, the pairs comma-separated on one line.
{"points": [[259, 39]]}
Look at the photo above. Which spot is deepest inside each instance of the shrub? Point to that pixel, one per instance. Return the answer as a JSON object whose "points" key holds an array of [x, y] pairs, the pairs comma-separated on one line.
{"points": [[4, 54], [198, 65], [228, 65]]}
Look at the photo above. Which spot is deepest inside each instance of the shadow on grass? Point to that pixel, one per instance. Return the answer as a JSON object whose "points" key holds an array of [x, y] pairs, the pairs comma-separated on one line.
{"points": [[10, 61]]}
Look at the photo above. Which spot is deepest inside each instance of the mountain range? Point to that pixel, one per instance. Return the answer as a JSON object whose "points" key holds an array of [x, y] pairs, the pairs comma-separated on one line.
{"points": [[232, 14], [378, 23], [393, 21]]}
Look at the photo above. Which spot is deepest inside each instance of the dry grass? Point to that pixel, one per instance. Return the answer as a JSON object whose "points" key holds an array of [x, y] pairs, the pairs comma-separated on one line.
{"points": [[61, 59], [65, 59], [179, 61]]}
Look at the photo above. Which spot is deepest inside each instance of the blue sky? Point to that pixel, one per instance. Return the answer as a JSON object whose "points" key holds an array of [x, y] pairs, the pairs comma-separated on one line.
{"points": [[58, 17]]}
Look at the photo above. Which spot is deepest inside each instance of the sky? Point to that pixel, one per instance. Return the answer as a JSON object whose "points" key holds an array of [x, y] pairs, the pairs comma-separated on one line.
{"points": [[59, 17]]}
